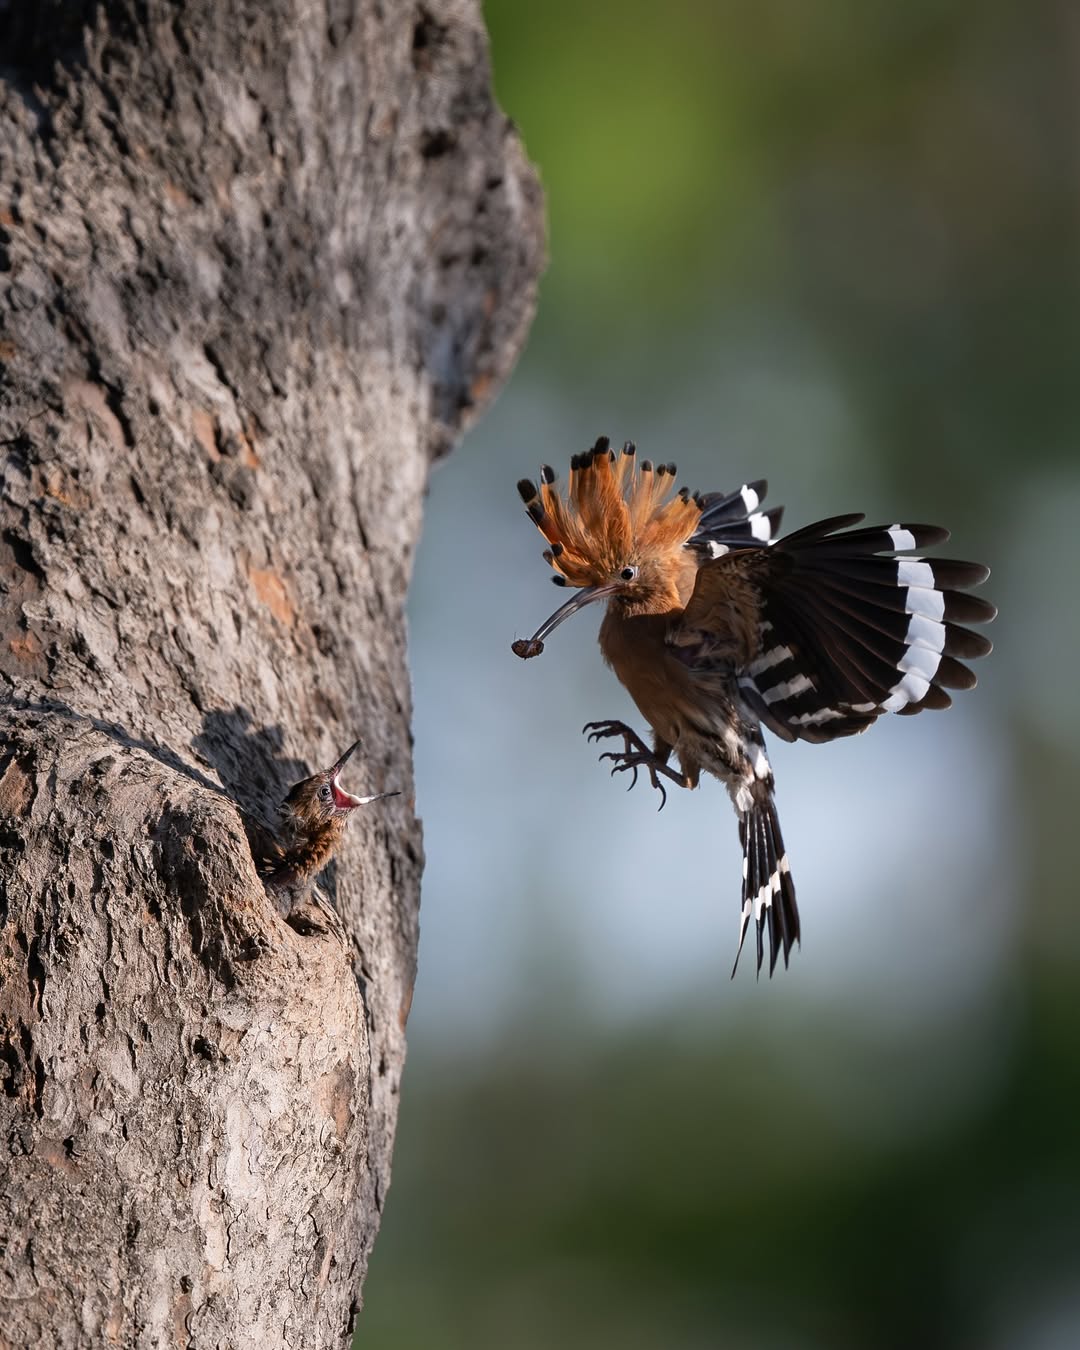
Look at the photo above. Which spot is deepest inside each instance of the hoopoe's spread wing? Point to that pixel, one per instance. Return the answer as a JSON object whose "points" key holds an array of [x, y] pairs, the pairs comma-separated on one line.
{"points": [[731, 520], [824, 633]]}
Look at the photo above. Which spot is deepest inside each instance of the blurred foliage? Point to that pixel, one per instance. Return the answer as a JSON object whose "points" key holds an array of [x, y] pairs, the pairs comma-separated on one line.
{"points": [[668, 1191], [883, 198], [900, 178]]}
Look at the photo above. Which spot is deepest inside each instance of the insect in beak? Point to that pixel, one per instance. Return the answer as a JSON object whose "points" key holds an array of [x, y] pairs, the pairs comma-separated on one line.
{"points": [[527, 647]]}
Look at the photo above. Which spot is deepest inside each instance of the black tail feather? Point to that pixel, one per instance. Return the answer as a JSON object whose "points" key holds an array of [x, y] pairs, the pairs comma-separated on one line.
{"points": [[768, 893]]}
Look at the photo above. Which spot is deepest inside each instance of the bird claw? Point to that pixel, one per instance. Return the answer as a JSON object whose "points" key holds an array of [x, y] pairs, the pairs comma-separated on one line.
{"points": [[635, 762], [598, 731], [638, 758], [622, 761]]}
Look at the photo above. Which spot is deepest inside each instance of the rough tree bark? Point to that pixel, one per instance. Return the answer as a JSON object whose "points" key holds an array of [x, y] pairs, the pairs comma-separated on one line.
{"points": [[260, 262]]}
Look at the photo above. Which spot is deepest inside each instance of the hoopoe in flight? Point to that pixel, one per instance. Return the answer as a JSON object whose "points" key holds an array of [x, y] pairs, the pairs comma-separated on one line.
{"points": [[718, 630]]}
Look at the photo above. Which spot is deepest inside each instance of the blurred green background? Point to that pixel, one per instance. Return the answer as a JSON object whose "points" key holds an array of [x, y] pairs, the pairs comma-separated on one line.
{"points": [[836, 244]]}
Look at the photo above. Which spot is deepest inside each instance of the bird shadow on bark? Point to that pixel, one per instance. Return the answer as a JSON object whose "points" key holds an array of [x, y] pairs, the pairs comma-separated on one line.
{"points": [[116, 732], [38, 39], [248, 758]]}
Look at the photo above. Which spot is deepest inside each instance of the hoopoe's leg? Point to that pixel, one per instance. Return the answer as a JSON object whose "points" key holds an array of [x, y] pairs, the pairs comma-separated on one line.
{"points": [[635, 755]]}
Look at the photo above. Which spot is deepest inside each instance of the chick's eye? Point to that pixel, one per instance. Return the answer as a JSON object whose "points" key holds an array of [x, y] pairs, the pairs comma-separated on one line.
{"points": [[325, 793], [628, 573]]}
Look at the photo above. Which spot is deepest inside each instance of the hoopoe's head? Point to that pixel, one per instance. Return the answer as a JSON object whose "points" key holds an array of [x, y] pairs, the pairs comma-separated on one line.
{"points": [[320, 802], [618, 533]]}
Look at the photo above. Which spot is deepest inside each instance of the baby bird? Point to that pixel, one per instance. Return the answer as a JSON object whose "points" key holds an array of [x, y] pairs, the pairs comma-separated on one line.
{"points": [[718, 631], [313, 818]]}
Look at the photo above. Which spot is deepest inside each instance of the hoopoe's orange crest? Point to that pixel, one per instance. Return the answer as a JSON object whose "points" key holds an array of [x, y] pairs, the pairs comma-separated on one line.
{"points": [[615, 511]]}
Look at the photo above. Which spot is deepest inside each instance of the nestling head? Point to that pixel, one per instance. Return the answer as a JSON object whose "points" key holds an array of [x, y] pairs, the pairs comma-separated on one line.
{"points": [[616, 535], [320, 801]]}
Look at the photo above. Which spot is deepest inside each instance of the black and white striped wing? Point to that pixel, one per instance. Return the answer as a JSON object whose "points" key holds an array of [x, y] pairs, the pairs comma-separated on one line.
{"points": [[732, 520], [846, 634]]}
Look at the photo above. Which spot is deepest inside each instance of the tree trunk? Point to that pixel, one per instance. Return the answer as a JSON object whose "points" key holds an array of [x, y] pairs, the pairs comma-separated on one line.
{"points": [[260, 262]]}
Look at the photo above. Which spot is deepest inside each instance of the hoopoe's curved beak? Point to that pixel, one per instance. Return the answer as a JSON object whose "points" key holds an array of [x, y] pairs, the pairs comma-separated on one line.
{"points": [[343, 800], [526, 647]]}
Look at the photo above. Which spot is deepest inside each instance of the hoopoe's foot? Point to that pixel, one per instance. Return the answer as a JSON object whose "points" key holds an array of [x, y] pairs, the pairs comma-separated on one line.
{"points": [[634, 755]]}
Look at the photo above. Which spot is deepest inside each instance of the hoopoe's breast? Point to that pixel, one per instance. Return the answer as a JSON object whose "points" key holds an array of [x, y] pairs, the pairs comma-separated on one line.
{"points": [[634, 648]]}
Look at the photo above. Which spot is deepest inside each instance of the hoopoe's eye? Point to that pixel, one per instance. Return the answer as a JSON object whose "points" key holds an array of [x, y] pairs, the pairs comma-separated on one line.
{"points": [[629, 574], [325, 792]]}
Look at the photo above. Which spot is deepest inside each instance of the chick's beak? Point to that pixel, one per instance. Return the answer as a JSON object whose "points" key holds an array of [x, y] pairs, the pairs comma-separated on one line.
{"points": [[336, 770], [345, 801]]}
